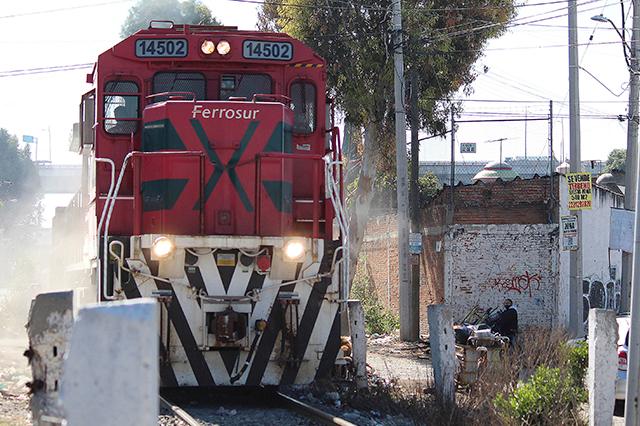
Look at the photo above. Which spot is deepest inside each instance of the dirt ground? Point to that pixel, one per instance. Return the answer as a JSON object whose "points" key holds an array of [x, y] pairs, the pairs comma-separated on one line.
{"points": [[14, 374], [391, 358]]}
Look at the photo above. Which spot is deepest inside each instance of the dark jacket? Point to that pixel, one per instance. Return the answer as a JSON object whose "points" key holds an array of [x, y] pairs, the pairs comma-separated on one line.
{"points": [[507, 322]]}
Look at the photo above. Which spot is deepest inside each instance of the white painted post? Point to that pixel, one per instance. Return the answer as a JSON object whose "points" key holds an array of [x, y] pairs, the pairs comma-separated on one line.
{"points": [[603, 335], [443, 352], [110, 376], [358, 342]]}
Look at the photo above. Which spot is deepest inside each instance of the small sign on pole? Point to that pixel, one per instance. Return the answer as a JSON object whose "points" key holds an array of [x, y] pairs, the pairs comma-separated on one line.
{"points": [[621, 230], [569, 232], [467, 148], [579, 191], [29, 139], [415, 243]]}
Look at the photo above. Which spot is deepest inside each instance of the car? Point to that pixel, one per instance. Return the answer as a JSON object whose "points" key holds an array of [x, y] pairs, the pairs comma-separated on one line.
{"points": [[623, 320]]}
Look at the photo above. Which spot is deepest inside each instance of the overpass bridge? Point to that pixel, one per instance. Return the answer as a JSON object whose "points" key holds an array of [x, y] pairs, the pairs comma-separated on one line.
{"points": [[59, 178]]}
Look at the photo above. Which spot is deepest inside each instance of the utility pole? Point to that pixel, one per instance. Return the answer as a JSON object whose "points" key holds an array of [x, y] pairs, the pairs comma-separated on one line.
{"points": [[414, 199], [575, 257], [526, 121], [631, 166], [452, 178], [631, 412], [406, 333]]}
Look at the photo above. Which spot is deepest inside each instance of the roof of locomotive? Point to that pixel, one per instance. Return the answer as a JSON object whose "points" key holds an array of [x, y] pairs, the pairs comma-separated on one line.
{"points": [[196, 34]]}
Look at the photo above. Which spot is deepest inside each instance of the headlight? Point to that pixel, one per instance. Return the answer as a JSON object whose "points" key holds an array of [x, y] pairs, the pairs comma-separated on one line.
{"points": [[224, 47], [162, 248], [293, 250], [208, 47]]}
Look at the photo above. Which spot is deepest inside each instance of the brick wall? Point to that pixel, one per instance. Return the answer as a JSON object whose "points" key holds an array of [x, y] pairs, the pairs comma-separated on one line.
{"points": [[522, 201], [517, 201]]}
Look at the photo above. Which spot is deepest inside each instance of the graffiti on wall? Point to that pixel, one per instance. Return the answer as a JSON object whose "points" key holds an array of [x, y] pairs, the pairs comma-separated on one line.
{"points": [[526, 283], [598, 293]]}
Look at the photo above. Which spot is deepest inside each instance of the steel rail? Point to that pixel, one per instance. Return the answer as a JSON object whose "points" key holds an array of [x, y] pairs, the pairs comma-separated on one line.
{"points": [[180, 413], [312, 412]]}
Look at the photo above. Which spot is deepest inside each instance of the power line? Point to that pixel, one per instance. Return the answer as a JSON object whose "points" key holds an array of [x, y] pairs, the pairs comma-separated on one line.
{"points": [[516, 21], [45, 70], [63, 9], [349, 5], [526, 101]]}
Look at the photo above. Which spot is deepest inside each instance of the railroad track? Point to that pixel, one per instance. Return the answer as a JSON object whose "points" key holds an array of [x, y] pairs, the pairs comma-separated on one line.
{"points": [[266, 400]]}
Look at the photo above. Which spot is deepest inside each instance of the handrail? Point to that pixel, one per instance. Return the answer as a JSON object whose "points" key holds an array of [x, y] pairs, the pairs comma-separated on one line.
{"points": [[100, 286], [334, 189], [315, 185], [274, 96], [156, 95], [137, 208], [111, 201]]}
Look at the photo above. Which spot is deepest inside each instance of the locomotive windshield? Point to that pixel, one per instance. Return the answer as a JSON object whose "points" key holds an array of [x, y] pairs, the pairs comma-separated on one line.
{"points": [[193, 82], [244, 85]]}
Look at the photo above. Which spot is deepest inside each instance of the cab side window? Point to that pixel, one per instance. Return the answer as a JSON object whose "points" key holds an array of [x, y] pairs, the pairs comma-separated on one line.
{"points": [[121, 107], [303, 97]]}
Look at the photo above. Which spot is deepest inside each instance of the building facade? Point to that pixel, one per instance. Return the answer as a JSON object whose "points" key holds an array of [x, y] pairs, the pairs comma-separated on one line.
{"points": [[499, 240]]}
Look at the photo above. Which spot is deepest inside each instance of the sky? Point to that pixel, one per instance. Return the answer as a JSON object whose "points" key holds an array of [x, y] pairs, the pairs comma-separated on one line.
{"points": [[527, 64]]}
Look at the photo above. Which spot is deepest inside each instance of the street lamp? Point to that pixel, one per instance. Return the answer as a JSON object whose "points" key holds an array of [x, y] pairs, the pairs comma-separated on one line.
{"points": [[626, 49], [632, 414]]}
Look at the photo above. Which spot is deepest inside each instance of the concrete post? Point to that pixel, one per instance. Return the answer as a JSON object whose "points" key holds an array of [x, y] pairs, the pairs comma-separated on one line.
{"points": [[443, 352], [49, 329], [358, 342], [603, 335], [111, 372]]}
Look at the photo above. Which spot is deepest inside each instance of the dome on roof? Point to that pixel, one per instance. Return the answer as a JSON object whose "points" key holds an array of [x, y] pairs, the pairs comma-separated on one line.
{"points": [[495, 170], [605, 179], [563, 168]]}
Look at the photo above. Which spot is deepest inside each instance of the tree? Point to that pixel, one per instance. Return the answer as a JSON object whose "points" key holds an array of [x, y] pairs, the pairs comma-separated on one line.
{"points": [[180, 12], [616, 160], [428, 186], [443, 40], [18, 181]]}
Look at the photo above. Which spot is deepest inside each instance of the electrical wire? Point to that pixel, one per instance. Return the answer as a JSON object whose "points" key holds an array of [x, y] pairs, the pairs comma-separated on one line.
{"points": [[63, 9], [45, 70]]}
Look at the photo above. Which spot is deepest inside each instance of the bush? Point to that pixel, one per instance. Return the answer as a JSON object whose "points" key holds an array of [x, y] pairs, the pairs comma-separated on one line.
{"points": [[578, 359], [548, 397], [378, 319]]}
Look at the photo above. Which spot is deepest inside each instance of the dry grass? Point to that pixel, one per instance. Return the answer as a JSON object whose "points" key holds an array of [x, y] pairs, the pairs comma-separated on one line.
{"points": [[474, 404], [535, 348]]}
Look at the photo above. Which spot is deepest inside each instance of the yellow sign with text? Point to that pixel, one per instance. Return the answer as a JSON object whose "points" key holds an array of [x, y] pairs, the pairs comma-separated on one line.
{"points": [[580, 194]]}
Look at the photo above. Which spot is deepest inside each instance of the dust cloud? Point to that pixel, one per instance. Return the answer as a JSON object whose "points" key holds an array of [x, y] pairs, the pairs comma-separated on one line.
{"points": [[35, 260]]}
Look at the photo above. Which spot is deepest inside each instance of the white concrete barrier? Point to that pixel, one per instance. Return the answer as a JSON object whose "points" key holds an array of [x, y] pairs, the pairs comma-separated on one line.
{"points": [[358, 342], [443, 352], [49, 328], [601, 376], [110, 375]]}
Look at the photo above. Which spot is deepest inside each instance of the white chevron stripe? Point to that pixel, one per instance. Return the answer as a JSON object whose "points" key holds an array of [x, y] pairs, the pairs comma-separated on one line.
{"points": [[238, 286], [180, 363], [216, 365], [210, 274], [239, 281]]}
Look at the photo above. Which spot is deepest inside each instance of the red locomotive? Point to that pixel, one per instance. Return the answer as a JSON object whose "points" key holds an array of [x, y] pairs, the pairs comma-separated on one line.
{"points": [[216, 190]]}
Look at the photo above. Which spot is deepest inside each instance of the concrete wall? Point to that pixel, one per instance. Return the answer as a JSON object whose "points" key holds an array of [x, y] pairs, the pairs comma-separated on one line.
{"points": [[518, 202], [601, 267], [487, 263]]}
